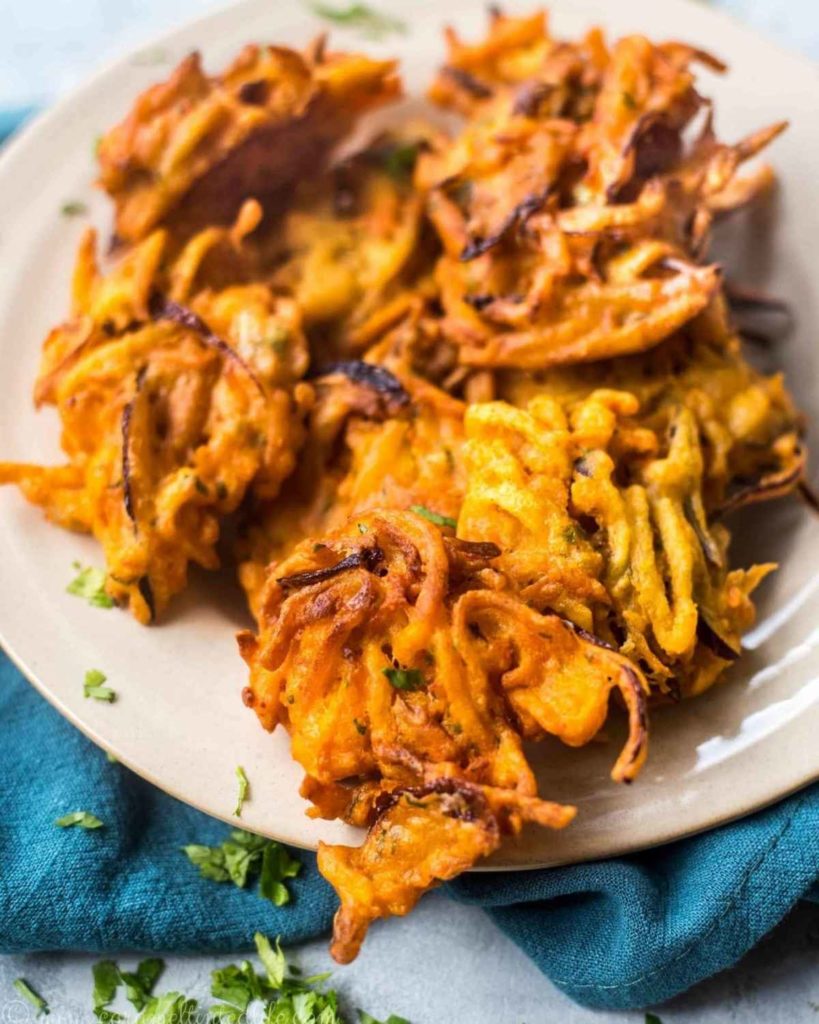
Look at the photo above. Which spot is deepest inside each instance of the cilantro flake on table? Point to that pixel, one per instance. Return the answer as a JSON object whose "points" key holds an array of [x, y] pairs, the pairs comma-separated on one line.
{"points": [[82, 819], [433, 517], [363, 18], [280, 992], [138, 985], [171, 1008], [92, 686], [244, 789], [244, 857], [90, 584], [28, 993]]}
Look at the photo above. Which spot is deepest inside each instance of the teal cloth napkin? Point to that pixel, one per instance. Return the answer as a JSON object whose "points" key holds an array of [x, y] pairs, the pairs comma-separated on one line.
{"points": [[625, 933]]}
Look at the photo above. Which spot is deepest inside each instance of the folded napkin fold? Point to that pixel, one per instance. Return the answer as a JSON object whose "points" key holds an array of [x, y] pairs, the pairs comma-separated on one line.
{"points": [[624, 933]]}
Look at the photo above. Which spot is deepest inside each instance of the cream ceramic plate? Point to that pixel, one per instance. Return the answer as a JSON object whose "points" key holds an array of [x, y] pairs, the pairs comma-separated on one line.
{"points": [[179, 720]]}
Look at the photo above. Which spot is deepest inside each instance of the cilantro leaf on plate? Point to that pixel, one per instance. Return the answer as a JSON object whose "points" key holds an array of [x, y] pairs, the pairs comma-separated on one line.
{"points": [[90, 584], [92, 686], [244, 789], [365, 19]]}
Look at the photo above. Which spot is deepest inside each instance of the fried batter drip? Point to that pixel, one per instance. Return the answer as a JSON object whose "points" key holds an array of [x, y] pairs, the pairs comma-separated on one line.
{"points": [[476, 401]]}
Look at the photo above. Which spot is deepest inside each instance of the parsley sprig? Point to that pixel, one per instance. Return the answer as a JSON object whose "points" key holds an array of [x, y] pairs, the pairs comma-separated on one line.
{"points": [[405, 678], [433, 517], [92, 686], [90, 584], [244, 789], [279, 991], [28, 993], [361, 17], [244, 857]]}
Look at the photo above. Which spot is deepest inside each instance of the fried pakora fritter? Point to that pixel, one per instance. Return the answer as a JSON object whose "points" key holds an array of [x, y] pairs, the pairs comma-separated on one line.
{"points": [[194, 147], [572, 214], [475, 399]]}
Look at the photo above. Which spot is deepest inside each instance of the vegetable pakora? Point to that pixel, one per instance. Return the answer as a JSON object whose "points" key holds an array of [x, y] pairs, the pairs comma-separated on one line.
{"points": [[474, 401]]}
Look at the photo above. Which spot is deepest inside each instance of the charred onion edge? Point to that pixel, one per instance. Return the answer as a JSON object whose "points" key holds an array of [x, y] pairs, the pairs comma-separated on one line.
{"points": [[515, 218], [638, 722], [711, 639], [708, 545], [472, 793], [476, 548], [529, 97], [127, 413], [773, 485], [362, 558], [378, 378], [584, 634], [468, 82], [162, 308], [147, 593]]}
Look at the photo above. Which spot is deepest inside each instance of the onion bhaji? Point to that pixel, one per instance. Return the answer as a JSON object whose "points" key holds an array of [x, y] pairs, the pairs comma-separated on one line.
{"points": [[476, 401]]}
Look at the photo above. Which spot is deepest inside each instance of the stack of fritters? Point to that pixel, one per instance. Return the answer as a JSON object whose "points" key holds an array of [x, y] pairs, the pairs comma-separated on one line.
{"points": [[476, 401]]}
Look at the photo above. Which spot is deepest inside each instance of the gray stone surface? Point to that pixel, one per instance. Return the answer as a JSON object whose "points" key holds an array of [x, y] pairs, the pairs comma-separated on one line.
{"points": [[446, 964]]}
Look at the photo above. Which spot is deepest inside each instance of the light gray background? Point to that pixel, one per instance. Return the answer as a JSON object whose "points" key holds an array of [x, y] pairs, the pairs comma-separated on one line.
{"points": [[445, 964]]}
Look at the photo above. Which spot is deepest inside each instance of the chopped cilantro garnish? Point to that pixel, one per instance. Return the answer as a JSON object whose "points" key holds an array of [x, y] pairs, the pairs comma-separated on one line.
{"points": [[277, 865], [73, 208], [82, 819], [244, 789], [405, 678], [272, 959], [652, 1018], [629, 101], [361, 17], [238, 985], [92, 686], [27, 992], [285, 997], [277, 339], [399, 160], [139, 984], [172, 1008], [106, 983], [242, 858], [90, 584], [433, 517], [360, 727]]}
